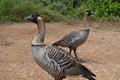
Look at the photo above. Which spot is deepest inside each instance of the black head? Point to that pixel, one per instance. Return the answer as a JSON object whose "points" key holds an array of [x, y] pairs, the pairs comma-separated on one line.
{"points": [[89, 12], [33, 17]]}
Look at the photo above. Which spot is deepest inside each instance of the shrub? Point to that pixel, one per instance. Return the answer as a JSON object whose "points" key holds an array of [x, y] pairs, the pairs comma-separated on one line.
{"points": [[56, 10]]}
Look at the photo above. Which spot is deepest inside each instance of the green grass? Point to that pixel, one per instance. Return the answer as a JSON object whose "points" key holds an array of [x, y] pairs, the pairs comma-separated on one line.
{"points": [[17, 10]]}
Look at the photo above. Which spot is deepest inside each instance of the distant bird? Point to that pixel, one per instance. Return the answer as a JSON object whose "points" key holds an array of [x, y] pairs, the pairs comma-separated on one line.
{"points": [[54, 60], [75, 38]]}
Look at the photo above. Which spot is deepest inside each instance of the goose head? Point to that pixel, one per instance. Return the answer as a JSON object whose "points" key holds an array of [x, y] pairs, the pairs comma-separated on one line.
{"points": [[89, 12], [34, 17]]}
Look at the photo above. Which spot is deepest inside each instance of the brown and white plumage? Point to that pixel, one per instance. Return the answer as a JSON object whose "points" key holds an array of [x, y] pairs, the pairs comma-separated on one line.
{"points": [[75, 38], [56, 61]]}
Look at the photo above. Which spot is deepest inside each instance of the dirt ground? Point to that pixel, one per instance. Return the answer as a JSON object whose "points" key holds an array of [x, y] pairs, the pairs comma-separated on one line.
{"points": [[101, 51]]}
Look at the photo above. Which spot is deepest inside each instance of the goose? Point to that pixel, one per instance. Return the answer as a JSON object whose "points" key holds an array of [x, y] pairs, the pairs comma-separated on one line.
{"points": [[75, 38], [54, 60]]}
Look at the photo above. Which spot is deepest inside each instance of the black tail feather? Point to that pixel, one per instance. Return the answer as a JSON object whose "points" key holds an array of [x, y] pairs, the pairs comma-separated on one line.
{"points": [[89, 77], [87, 73]]}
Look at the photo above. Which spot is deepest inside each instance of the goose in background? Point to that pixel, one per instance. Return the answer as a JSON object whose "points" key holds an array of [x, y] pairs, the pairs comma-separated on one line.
{"points": [[75, 38], [54, 60]]}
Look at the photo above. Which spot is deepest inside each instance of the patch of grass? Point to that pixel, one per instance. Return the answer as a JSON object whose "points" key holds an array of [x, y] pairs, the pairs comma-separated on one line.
{"points": [[17, 10]]}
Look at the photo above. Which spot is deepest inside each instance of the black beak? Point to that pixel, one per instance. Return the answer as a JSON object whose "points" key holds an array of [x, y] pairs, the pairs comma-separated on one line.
{"points": [[92, 12]]}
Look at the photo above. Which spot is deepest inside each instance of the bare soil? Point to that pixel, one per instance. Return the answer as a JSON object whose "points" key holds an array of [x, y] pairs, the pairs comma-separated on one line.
{"points": [[101, 51]]}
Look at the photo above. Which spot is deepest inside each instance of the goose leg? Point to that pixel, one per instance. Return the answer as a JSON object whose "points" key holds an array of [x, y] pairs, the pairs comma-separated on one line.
{"points": [[70, 51], [75, 53]]}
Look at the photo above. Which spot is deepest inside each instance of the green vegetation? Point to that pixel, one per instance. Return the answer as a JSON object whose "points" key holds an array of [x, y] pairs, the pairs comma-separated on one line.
{"points": [[17, 10]]}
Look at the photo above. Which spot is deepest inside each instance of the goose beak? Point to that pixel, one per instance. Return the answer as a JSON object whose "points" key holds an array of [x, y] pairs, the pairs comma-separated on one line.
{"points": [[92, 12], [28, 18]]}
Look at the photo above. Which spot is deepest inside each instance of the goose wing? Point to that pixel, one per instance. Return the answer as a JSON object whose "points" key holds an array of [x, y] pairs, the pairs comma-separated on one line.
{"points": [[64, 64], [60, 58], [67, 40]]}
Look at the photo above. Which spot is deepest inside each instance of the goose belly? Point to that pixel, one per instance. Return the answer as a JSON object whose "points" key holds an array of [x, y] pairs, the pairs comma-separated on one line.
{"points": [[41, 57], [83, 37]]}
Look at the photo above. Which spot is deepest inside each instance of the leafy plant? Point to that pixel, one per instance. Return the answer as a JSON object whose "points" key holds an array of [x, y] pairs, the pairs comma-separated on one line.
{"points": [[56, 10]]}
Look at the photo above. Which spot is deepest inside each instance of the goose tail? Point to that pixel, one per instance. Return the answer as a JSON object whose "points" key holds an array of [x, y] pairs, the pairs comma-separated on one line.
{"points": [[87, 73]]}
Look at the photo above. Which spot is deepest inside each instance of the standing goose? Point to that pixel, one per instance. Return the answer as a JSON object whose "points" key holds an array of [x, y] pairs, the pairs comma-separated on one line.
{"points": [[75, 38], [54, 60]]}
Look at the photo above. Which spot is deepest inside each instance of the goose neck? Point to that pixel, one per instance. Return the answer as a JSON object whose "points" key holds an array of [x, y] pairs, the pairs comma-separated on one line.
{"points": [[86, 21], [39, 38]]}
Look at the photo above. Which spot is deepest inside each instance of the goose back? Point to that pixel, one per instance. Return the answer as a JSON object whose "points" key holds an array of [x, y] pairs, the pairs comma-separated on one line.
{"points": [[73, 39]]}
